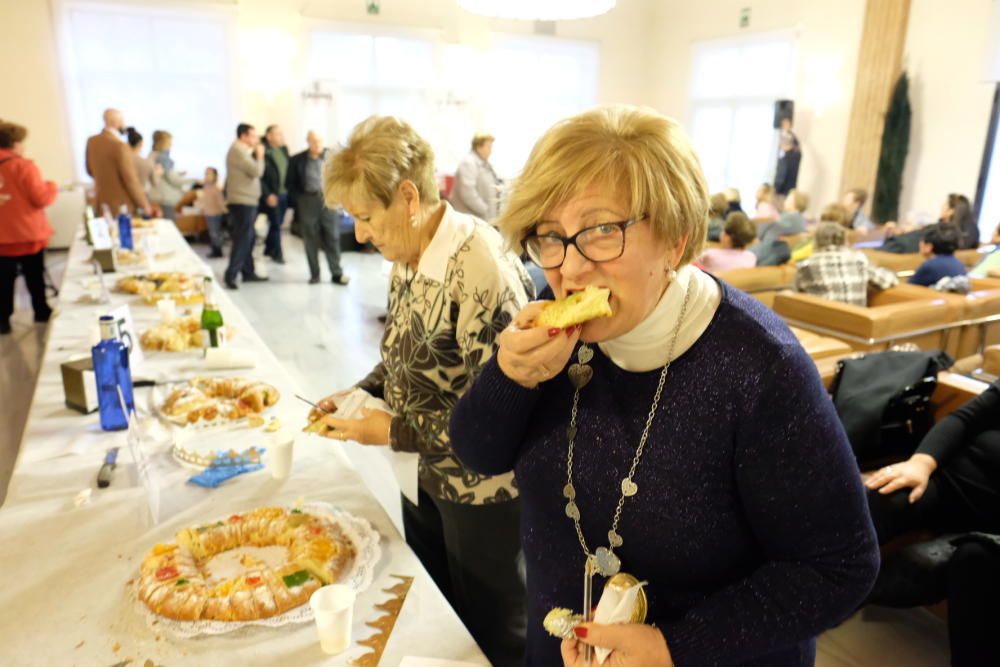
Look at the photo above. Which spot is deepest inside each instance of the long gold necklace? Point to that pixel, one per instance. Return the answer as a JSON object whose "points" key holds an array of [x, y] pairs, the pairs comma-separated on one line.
{"points": [[604, 560]]}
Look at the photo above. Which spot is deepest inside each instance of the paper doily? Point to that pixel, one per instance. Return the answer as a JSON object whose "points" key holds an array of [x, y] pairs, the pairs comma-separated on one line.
{"points": [[359, 531]]}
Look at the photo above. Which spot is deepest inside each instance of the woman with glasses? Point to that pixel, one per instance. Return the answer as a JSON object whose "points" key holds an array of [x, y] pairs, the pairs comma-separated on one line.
{"points": [[686, 440], [454, 288]]}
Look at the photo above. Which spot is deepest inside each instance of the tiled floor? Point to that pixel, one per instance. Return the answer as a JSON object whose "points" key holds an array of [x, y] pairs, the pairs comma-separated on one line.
{"points": [[328, 337]]}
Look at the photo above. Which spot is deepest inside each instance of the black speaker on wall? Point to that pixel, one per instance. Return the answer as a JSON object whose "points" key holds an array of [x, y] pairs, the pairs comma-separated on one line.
{"points": [[783, 109]]}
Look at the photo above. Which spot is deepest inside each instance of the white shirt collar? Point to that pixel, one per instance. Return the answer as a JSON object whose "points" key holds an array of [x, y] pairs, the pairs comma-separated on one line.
{"points": [[452, 231]]}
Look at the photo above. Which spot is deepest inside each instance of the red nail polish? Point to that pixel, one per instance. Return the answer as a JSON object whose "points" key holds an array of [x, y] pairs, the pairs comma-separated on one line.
{"points": [[553, 332], [569, 331], [580, 632]]}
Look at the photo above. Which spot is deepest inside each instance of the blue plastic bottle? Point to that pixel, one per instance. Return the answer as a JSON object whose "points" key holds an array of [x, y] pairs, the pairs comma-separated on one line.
{"points": [[125, 228], [111, 370]]}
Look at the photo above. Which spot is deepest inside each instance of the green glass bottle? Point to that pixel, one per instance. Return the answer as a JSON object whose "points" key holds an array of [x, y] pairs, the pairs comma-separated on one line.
{"points": [[211, 318]]}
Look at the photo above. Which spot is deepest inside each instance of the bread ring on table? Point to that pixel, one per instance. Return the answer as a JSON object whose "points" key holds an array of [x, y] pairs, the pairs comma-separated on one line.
{"points": [[174, 580], [207, 398]]}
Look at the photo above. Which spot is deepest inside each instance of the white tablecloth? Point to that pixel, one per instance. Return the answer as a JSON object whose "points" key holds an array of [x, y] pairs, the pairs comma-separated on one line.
{"points": [[65, 598]]}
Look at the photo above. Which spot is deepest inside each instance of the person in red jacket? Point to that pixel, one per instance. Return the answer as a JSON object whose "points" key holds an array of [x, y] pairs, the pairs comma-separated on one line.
{"points": [[24, 229]]}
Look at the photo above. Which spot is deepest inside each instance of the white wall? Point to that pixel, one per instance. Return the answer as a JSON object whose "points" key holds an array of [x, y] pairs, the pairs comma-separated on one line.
{"points": [[272, 41], [946, 47], [829, 38]]}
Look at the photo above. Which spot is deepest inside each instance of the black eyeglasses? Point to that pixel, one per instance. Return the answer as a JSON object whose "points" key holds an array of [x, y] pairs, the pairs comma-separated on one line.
{"points": [[600, 243]]}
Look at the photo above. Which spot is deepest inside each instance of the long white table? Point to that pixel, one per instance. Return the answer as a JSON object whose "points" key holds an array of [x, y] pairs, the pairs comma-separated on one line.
{"points": [[66, 564]]}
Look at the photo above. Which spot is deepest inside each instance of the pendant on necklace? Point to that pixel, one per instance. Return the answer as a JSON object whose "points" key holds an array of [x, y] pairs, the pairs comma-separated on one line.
{"points": [[580, 375], [569, 492], [614, 539], [629, 488], [572, 511], [584, 354], [607, 563], [570, 432]]}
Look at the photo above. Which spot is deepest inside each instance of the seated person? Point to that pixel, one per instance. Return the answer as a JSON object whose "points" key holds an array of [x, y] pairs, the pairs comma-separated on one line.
{"points": [[766, 210], [717, 216], [791, 221], [837, 272], [991, 262], [938, 245], [831, 213], [958, 211], [951, 484], [738, 233], [854, 203], [732, 200]]}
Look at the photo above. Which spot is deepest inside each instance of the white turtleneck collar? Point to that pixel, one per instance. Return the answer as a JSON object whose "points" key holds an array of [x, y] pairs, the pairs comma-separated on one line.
{"points": [[646, 346]]}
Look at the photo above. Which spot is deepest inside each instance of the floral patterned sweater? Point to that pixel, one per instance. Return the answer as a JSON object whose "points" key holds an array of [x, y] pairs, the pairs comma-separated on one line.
{"points": [[442, 326]]}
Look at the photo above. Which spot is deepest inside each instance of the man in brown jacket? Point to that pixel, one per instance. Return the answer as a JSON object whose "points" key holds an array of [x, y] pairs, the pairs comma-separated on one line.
{"points": [[112, 166]]}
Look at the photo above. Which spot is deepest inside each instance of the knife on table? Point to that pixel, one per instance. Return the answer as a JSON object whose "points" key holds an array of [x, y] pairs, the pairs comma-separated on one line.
{"points": [[110, 463]]}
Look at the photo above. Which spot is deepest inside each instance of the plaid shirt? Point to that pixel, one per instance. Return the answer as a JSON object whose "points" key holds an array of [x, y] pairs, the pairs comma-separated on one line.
{"points": [[841, 274]]}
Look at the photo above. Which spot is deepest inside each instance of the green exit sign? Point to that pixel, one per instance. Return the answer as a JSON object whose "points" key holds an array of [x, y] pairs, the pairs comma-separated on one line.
{"points": [[745, 17]]}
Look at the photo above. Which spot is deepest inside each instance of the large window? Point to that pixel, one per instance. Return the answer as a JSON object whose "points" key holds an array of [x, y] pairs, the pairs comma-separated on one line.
{"points": [[734, 84], [449, 91], [166, 69]]}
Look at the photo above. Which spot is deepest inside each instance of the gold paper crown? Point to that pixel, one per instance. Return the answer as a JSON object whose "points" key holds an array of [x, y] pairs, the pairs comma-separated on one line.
{"points": [[217, 460]]}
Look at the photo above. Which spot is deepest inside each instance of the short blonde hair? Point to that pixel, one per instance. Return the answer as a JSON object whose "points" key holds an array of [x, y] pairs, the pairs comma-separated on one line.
{"points": [[799, 199], [829, 235], [160, 138], [381, 153], [637, 151], [479, 139], [718, 205], [834, 213]]}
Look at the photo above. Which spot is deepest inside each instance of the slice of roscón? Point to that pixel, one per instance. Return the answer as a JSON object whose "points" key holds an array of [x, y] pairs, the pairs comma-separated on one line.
{"points": [[576, 308]]}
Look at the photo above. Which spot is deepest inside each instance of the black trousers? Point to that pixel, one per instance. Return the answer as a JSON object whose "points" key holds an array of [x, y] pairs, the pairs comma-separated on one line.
{"points": [[473, 553], [952, 503], [33, 268], [241, 219], [974, 606]]}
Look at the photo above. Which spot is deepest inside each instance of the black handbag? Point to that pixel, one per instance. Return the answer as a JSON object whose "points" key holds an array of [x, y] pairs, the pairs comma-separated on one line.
{"points": [[884, 403]]}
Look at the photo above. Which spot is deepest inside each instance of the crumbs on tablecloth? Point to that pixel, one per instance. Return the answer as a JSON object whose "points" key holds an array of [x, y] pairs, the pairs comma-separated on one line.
{"points": [[116, 647], [80, 644]]}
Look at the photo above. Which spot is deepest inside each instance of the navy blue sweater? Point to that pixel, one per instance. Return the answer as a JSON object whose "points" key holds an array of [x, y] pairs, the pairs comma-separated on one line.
{"points": [[936, 268], [750, 523]]}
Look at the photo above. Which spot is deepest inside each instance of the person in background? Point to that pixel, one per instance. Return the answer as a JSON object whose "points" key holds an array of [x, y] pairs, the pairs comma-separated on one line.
{"points": [[791, 221], [112, 166], [938, 246], [273, 195], [212, 203], [786, 172], [143, 166], [732, 201], [739, 232], [766, 210], [320, 225], [854, 201], [167, 183], [837, 272], [244, 167], [990, 263], [454, 288], [951, 485], [477, 187], [831, 213], [24, 229], [717, 216], [957, 211]]}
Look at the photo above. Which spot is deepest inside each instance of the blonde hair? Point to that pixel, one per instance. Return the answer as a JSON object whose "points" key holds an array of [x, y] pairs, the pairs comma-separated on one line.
{"points": [[765, 192], [160, 137], [718, 204], [479, 139], [829, 235], [834, 213], [381, 153], [799, 199], [637, 151]]}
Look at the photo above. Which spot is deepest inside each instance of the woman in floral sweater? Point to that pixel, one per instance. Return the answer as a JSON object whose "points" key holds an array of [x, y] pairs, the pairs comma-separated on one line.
{"points": [[454, 288]]}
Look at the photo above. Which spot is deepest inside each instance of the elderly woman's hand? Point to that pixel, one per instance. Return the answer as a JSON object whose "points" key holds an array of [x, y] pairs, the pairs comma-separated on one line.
{"points": [[325, 406], [912, 474], [632, 645], [530, 355], [372, 429]]}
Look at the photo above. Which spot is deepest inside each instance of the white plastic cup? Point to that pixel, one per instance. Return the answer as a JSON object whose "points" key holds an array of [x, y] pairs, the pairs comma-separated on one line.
{"points": [[333, 611], [228, 357], [279, 456], [168, 310]]}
